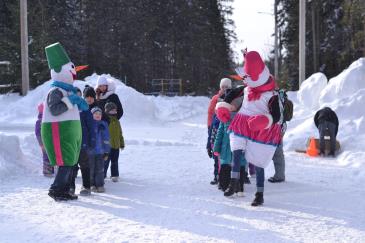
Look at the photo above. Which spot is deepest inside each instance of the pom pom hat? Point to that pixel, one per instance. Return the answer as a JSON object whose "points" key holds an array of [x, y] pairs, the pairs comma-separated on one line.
{"points": [[255, 71]]}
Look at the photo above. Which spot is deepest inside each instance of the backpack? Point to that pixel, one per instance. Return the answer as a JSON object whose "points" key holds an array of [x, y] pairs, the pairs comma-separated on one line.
{"points": [[286, 106]]}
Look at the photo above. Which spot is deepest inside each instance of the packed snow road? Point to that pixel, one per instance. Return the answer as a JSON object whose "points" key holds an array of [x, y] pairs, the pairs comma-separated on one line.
{"points": [[164, 195]]}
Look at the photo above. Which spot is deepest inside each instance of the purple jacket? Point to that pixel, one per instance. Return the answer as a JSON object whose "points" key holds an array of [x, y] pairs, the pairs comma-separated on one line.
{"points": [[38, 129]]}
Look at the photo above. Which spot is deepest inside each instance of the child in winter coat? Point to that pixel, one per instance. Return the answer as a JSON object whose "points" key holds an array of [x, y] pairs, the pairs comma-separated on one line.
{"points": [[116, 141], [48, 169], [222, 149], [212, 132], [87, 144], [101, 151]]}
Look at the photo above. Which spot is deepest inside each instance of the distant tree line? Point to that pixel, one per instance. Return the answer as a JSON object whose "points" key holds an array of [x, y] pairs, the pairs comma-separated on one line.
{"points": [[335, 37], [139, 39]]}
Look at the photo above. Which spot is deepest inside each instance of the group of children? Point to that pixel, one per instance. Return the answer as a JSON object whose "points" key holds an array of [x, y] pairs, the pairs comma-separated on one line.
{"points": [[102, 138]]}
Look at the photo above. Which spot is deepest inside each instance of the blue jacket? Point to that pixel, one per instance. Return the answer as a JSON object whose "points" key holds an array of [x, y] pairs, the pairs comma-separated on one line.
{"points": [[222, 144], [88, 130], [212, 131], [102, 145]]}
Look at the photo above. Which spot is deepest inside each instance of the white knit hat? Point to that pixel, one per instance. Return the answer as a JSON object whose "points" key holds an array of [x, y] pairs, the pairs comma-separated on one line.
{"points": [[226, 82], [101, 81]]}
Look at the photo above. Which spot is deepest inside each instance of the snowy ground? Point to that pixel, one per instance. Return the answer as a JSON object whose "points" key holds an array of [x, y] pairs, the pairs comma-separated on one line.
{"points": [[164, 193]]}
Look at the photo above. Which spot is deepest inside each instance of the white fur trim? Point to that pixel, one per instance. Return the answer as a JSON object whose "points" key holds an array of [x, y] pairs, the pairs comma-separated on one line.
{"points": [[226, 105], [68, 103], [263, 77], [270, 120], [225, 82]]}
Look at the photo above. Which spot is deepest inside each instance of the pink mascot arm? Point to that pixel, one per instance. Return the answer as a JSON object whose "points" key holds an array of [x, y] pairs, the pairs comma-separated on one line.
{"points": [[260, 122], [223, 111]]}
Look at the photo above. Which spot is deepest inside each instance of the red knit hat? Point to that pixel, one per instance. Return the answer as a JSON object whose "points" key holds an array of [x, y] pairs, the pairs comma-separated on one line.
{"points": [[255, 69]]}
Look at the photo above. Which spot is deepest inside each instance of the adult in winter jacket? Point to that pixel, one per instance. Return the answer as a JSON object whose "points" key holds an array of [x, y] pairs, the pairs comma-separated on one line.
{"points": [[87, 145], [105, 93], [327, 123]]}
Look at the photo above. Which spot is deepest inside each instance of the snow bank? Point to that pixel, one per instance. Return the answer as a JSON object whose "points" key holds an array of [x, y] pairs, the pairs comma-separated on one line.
{"points": [[346, 83], [12, 159], [345, 94], [137, 106]]}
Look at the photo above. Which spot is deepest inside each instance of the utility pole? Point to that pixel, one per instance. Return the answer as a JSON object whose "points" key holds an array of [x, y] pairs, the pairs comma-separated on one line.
{"points": [[24, 46], [314, 35], [301, 41], [276, 46]]}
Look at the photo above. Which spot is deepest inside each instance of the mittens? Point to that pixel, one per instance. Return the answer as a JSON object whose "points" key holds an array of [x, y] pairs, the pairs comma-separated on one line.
{"points": [[223, 114], [259, 122]]}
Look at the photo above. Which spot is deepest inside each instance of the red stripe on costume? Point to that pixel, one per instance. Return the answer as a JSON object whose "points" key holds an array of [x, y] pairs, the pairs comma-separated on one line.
{"points": [[57, 143], [240, 127]]}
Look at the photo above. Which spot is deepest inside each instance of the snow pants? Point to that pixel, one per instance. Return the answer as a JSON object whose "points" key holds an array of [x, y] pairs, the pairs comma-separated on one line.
{"points": [[327, 128], [113, 160], [84, 164], [279, 163], [97, 170]]}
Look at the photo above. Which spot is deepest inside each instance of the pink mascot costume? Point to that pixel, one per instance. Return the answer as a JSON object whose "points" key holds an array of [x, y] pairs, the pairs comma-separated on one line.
{"points": [[254, 131]]}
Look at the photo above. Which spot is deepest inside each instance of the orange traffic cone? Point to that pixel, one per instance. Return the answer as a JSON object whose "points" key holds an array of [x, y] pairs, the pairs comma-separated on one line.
{"points": [[312, 149]]}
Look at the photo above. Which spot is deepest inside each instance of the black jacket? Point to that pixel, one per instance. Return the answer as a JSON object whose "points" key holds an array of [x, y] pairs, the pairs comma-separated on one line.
{"points": [[326, 114], [111, 98]]}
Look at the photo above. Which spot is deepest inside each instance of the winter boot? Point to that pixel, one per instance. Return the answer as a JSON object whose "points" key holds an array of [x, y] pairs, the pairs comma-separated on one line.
{"points": [[70, 196], [232, 188], [85, 192], [115, 178], [100, 189], [259, 199], [225, 176], [214, 181], [56, 196]]}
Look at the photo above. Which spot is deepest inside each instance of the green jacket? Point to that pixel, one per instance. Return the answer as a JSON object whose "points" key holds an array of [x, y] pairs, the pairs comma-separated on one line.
{"points": [[116, 134], [222, 145]]}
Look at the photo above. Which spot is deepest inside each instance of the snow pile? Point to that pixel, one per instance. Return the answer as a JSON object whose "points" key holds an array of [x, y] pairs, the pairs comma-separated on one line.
{"points": [[137, 106], [312, 87], [345, 94], [12, 158]]}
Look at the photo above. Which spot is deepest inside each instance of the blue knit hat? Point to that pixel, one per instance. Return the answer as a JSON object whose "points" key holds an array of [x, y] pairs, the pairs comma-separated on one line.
{"points": [[96, 109]]}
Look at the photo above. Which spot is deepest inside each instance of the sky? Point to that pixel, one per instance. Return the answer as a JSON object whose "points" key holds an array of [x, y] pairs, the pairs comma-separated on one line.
{"points": [[253, 29]]}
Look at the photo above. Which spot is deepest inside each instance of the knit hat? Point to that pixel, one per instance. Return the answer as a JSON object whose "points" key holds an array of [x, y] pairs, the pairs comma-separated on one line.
{"points": [[89, 92], [225, 83], [102, 80], [56, 56], [255, 70], [109, 107], [96, 109]]}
